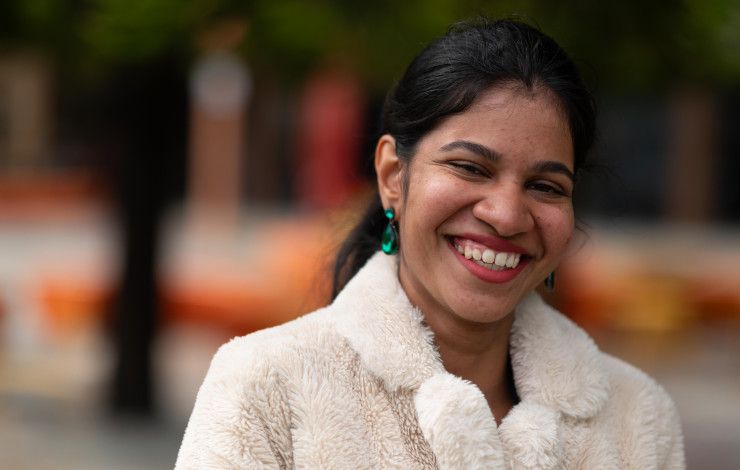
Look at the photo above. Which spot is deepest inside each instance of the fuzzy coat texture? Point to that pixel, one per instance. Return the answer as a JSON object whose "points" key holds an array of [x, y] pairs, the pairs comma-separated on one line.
{"points": [[359, 384]]}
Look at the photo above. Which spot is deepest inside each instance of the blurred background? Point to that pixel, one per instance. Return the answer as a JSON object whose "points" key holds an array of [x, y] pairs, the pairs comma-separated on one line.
{"points": [[176, 173]]}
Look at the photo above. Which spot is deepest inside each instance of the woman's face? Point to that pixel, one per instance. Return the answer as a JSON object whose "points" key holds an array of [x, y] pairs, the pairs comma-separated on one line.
{"points": [[487, 213]]}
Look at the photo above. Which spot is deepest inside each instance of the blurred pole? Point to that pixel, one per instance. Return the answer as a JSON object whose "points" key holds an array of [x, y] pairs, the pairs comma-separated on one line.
{"points": [[220, 86], [693, 154]]}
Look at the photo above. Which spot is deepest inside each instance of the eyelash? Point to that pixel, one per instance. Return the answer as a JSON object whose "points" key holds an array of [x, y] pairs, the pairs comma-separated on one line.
{"points": [[469, 168], [546, 188]]}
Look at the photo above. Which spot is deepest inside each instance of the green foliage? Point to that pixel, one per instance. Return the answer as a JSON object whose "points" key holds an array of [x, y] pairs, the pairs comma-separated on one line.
{"points": [[631, 43], [126, 30], [711, 38], [292, 35], [40, 23]]}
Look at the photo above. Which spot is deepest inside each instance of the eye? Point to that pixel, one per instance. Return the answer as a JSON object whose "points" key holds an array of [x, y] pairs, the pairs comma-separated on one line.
{"points": [[469, 168], [548, 189]]}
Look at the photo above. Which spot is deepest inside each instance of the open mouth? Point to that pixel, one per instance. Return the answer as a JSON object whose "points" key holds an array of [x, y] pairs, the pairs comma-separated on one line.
{"points": [[485, 256]]}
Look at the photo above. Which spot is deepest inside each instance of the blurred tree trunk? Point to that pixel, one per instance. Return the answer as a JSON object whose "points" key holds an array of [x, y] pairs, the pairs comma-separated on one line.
{"points": [[692, 155], [149, 122], [268, 172]]}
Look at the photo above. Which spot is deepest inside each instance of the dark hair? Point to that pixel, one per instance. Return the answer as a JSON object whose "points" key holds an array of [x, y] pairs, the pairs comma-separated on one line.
{"points": [[445, 79]]}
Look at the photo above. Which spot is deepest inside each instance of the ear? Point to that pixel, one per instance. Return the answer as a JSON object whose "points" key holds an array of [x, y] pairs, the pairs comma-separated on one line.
{"points": [[389, 169]]}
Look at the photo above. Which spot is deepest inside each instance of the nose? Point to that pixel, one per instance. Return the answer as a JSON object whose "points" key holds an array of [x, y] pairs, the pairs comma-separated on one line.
{"points": [[506, 209]]}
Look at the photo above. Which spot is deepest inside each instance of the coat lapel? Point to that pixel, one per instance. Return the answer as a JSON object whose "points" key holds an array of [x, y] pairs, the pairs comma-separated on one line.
{"points": [[557, 372], [379, 322], [457, 423], [556, 364]]}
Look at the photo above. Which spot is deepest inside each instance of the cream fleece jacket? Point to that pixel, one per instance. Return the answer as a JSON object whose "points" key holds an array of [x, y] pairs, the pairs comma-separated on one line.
{"points": [[359, 384]]}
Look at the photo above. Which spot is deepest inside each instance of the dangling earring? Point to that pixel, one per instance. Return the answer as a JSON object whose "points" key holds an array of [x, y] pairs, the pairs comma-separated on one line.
{"points": [[550, 281], [389, 242]]}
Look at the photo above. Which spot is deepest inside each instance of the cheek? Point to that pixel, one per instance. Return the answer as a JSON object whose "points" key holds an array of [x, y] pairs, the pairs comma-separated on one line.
{"points": [[432, 200], [556, 228]]}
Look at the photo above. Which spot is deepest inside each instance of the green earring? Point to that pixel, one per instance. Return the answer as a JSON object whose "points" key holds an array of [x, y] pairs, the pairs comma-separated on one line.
{"points": [[389, 242], [550, 281]]}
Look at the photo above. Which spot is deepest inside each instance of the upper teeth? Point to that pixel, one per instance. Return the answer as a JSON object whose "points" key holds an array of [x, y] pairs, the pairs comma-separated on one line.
{"points": [[488, 256]]}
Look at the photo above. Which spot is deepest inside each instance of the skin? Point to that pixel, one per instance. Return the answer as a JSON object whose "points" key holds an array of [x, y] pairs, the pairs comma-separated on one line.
{"points": [[521, 195]]}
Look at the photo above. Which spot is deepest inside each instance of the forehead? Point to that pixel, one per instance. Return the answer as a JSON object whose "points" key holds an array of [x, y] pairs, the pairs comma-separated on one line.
{"points": [[516, 95], [513, 121]]}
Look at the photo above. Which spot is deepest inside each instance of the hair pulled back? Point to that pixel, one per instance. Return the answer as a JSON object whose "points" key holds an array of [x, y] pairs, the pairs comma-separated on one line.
{"points": [[445, 79]]}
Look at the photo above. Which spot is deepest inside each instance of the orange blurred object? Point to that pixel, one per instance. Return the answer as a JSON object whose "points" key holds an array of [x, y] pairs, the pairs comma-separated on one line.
{"points": [[637, 287], [276, 286], [71, 303], [42, 196]]}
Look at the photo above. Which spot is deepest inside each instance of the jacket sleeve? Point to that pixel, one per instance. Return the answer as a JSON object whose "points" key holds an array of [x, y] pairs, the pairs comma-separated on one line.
{"points": [[240, 418]]}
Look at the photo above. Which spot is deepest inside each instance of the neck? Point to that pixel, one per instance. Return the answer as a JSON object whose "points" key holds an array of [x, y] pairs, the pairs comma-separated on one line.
{"points": [[478, 352], [473, 351]]}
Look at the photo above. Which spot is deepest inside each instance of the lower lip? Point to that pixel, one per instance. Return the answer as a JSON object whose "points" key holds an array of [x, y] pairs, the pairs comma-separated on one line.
{"points": [[488, 275]]}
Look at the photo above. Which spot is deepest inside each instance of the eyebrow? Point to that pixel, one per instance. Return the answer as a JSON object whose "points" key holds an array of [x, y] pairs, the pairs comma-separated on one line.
{"points": [[550, 166], [547, 166], [479, 149]]}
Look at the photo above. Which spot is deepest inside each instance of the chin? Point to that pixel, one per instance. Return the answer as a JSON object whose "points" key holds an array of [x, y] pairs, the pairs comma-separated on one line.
{"points": [[487, 310]]}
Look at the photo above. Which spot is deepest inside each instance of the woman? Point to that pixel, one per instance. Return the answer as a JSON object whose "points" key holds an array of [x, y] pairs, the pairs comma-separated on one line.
{"points": [[438, 353]]}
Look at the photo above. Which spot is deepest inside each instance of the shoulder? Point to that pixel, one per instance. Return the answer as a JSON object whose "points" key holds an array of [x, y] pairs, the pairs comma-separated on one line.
{"points": [[254, 355], [556, 363], [251, 373], [240, 418], [629, 379], [633, 388], [643, 412]]}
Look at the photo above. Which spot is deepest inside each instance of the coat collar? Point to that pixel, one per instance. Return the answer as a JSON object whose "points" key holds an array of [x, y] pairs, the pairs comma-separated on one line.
{"points": [[556, 364], [387, 332], [557, 373]]}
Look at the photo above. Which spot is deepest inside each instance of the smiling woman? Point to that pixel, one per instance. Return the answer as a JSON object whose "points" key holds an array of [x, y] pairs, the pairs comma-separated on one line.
{"points": [[441, 354]]}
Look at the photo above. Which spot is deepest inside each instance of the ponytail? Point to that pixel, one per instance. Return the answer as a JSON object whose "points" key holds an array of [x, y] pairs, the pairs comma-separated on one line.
{"points": [[361, 243]]}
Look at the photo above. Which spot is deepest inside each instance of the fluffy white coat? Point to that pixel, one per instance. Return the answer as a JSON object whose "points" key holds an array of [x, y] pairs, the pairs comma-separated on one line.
{"points": [[359, 384]]}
